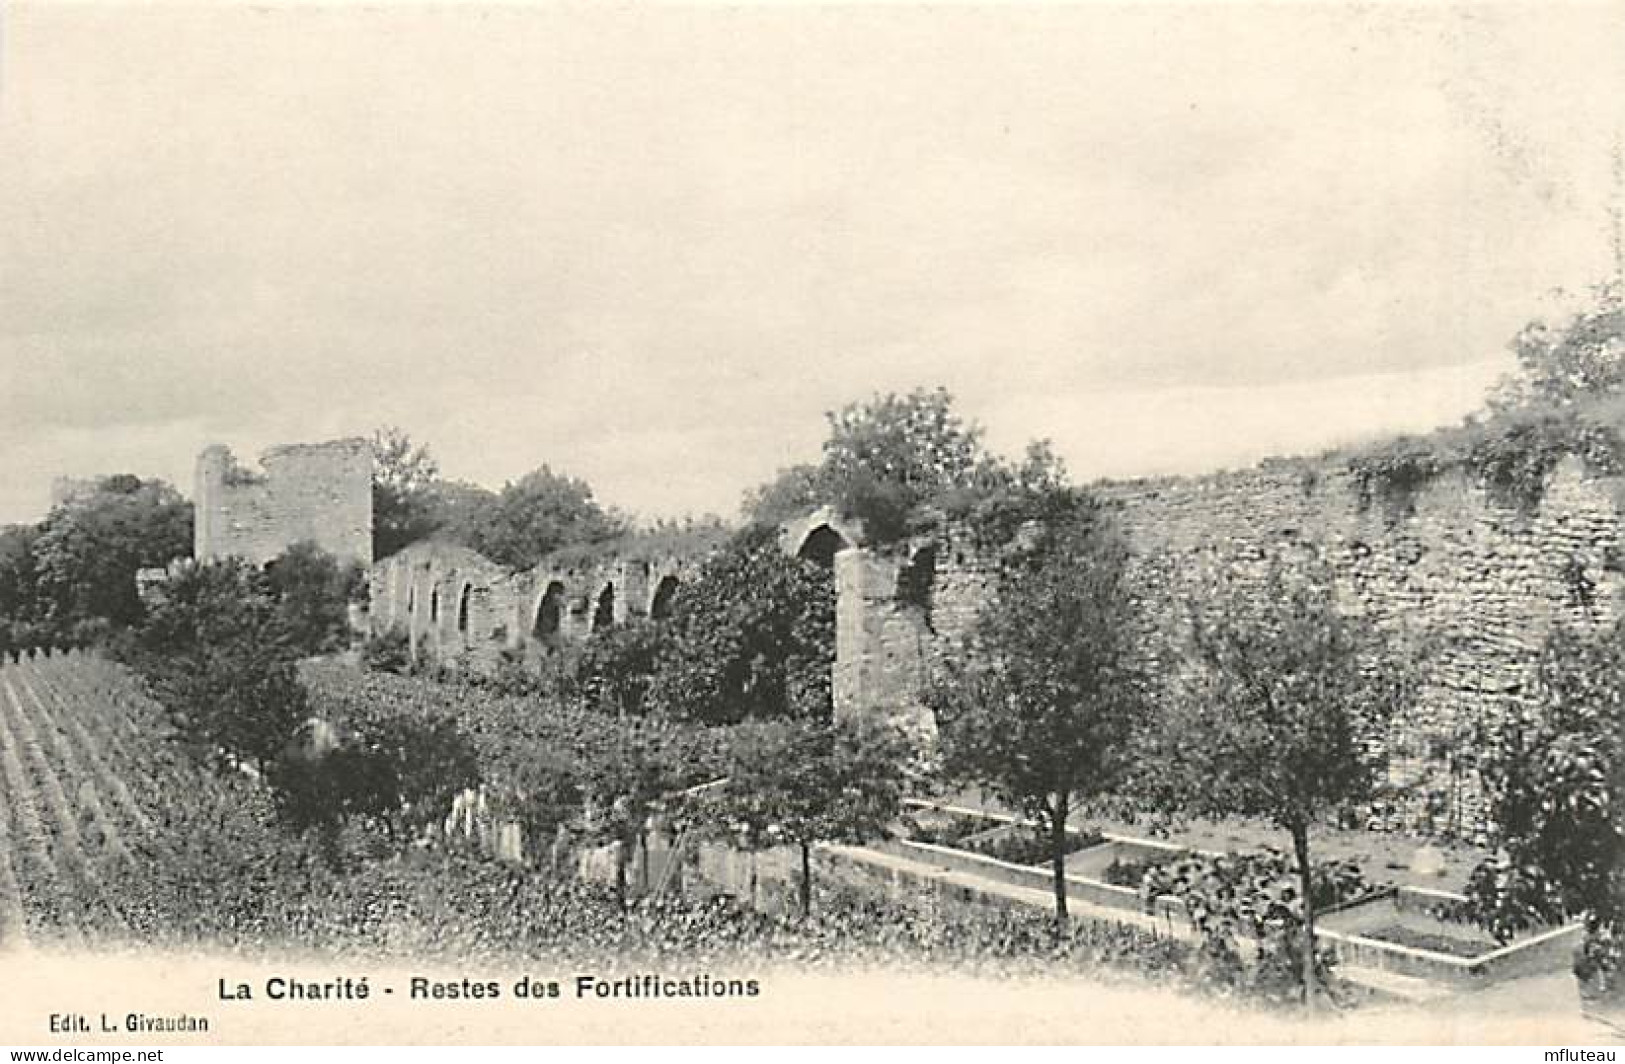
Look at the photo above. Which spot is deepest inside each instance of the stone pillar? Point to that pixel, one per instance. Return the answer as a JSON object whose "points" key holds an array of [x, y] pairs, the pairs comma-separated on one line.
{"points": [[880, 645]]}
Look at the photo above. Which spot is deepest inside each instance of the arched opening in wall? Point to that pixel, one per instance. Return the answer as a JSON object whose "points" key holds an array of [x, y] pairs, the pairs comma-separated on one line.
{"points": [[462, 608], [916, 582], [549, 613], [603, 614], [821, 545], [665, 591]]}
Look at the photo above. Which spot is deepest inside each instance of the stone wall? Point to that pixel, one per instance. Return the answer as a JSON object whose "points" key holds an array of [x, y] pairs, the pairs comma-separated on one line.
{"points": [[466, 613], [318, 492], [1467, 585]]}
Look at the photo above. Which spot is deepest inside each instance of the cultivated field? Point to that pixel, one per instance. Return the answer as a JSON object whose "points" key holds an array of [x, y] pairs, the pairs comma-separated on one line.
{"points": [[89, 792]]}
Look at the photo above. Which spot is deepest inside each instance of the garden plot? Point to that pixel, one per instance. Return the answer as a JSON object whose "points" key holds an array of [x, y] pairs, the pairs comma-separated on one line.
{"points": [[1410, 931], [1406, 932], [1007, 850]]}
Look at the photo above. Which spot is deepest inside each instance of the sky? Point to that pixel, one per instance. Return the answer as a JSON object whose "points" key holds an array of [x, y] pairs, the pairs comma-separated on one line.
{"points": [[651, 245]]}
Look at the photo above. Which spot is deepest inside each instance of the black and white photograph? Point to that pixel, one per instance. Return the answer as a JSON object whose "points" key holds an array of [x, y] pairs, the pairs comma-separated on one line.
{"points": [[730, 524]]}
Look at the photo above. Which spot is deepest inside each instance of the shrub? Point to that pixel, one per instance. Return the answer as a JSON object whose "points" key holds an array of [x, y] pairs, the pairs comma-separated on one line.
{"points": [[1254, 897], [389, 651], [1132, 872]]}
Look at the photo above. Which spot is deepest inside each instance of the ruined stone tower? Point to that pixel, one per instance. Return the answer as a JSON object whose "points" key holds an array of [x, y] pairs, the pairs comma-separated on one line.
{"points": [[320, 492]]}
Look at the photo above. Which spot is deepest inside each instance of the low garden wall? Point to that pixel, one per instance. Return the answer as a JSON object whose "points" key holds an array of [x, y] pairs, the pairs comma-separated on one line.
{"points": [[1434, 947]]}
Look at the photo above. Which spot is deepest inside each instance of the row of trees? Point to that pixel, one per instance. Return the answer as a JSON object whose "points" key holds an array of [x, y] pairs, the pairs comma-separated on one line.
{"points": [[1274, 707], [1277, 713]]}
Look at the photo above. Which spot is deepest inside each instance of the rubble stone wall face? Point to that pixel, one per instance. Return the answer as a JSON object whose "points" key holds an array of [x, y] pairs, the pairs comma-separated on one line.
{"points": [[1465, 584], [320, 492], [501, 619]]}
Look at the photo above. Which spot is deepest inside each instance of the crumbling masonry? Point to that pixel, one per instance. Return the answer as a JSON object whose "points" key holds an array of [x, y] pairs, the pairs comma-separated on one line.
{"points": [[1467, 584], [316, 492]]}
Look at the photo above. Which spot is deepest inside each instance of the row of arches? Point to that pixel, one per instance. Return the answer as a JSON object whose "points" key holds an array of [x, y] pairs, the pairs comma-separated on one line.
{"points": [[456, 604], [547, 618], [463, 598], [442, 606]]}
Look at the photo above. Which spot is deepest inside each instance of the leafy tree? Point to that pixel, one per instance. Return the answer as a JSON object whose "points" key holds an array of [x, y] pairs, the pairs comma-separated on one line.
{"points": [[1042, 712], [538, 514], [1568, 361], [1555, 777], [87, 551], [752, 636], [403, 478], [625, 774], [314, 591], [20, 608], [403, 770], [459, 509], [885, 461], [1277, 714], [802, 782], [216, 648], [616, 668], [795, 491]]}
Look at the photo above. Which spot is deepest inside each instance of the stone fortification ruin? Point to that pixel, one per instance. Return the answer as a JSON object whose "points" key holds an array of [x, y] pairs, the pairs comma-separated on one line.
{"points": [[1464, 582], [307, 492], [466, 613], [1465, 585]]}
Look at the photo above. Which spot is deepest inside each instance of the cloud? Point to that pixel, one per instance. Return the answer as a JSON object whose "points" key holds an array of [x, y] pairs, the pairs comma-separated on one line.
{"points": [[652, 246]]}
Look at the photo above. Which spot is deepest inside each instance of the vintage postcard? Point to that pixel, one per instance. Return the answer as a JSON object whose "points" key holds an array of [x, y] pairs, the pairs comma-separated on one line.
{"points": [[531, 523]]}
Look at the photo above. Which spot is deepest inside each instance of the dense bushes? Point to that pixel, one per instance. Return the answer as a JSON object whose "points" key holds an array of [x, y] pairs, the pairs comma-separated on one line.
{"points": [[543, 764], [753, 636], [220, 659], [219, 648]]}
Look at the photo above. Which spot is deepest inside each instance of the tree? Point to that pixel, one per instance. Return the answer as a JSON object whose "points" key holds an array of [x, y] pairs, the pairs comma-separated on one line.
{"points": [[624, 775], [459, 509], [403, 478], [1555, 779], [402, 770], [216, 648], [1041, 709], [314, 591], [802, 782], [616, 669], [885, 461], [752, 636], [1278, 713], [795, 491], [1580, 357], [87, 551], [20, 608], [538, 514]]}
